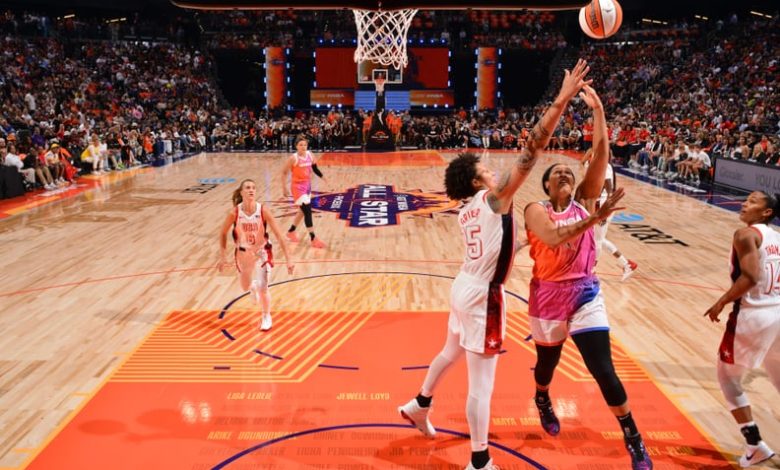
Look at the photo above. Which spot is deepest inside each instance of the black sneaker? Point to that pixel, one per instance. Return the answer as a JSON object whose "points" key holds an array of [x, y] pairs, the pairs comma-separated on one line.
{"points": [[640, 460], [550, 422]]}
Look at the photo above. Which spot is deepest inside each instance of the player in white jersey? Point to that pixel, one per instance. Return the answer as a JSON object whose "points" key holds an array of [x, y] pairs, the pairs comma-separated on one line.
{"points": [[600, 230], [254, 257], [752, 335], [476, 324]]}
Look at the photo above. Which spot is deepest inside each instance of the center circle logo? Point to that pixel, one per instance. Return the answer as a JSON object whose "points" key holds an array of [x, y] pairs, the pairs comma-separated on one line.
{"points": [[380, 205]]}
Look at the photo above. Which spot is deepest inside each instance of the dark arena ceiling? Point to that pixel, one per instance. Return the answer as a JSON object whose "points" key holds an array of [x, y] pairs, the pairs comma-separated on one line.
{"points": [[631, 8]]}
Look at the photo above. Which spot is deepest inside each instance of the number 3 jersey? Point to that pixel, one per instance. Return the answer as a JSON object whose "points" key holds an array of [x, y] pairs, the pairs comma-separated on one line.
{"points": [[766, 293], [489, 239]]}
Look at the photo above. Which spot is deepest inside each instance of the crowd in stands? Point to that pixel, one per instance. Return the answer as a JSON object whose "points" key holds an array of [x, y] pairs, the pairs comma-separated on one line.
{"points": [[70, 106], [306, 29], [299, 29], [718, 91]]}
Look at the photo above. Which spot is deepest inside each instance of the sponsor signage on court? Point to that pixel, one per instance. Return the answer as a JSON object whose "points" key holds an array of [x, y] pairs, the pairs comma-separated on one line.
{"points": [[207, 184], [379, 205], [216, 180], [747, 176], [649, 234]]}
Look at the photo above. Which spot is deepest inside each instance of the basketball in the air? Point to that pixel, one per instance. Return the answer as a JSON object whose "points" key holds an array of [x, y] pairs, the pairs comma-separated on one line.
{"points": [[601, 19]]}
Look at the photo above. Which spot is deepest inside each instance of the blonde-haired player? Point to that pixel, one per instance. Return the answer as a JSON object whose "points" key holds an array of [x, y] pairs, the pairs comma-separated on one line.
{"points": [[248, 218]]}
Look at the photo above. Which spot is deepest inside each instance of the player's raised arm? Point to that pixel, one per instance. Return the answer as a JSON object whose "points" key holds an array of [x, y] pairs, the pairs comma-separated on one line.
{"points": [[500, 197]]}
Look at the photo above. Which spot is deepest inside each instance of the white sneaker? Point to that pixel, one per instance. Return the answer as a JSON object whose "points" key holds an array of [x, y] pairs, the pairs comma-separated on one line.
{"points": [[755, 454], [418, 416], [266, 323], [488, 466]]}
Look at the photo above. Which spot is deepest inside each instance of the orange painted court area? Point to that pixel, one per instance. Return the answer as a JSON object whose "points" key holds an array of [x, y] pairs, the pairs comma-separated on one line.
{"points": [[402, 159], [320, 390]]}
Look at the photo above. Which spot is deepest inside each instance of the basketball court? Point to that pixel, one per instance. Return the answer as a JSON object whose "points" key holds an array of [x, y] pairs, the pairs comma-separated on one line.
{"points": [[125, 348]]}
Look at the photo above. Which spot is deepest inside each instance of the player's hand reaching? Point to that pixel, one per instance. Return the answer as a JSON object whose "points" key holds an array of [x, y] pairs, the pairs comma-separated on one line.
{"points": [[714, 312], [591, 98], [222, 262], [574, 80], [609, 206]]}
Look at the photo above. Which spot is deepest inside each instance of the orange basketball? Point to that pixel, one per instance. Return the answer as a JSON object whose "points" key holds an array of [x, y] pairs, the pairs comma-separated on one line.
{"points": [[601, 18]]}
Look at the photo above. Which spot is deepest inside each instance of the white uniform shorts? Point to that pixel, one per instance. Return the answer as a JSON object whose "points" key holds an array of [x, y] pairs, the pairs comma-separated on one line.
{"points": [[260, 268], [751, 334], [304, 199], [478, 314]]}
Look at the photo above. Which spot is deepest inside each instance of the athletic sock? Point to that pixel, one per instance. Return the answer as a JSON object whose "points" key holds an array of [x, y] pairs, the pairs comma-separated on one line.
{"points": [[627, 425], [424, 401]]}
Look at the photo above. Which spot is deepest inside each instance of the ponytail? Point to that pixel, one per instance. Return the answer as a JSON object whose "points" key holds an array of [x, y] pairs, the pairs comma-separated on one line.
{"points": [[772, 202], [237, 199]]}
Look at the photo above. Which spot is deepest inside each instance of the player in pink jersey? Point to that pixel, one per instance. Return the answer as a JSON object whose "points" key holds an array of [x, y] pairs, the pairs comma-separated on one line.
{"points": [[564, 296], [254, 257], [477, 321], [301, 165], [752, 335]]}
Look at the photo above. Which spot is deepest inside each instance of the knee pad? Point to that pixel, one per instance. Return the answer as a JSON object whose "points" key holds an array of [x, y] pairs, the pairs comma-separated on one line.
{"points": [[547, 358], [611, 387], [730, 380], [307, 217]]}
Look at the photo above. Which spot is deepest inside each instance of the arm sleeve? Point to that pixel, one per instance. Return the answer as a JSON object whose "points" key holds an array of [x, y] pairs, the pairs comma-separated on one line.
{"points": [[316, 170]]}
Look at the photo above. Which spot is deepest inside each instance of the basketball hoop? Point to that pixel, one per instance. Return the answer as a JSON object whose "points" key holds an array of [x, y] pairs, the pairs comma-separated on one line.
{"points": [[382, 36]]}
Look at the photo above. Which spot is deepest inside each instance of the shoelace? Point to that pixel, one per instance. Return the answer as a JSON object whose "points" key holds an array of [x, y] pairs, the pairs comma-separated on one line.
{"points": [[637, 449], [546, 409]]}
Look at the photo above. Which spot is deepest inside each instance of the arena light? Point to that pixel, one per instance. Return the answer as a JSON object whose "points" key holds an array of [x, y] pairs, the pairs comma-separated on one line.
{"points": [[701, 17], [72, 15], [758, 13]]}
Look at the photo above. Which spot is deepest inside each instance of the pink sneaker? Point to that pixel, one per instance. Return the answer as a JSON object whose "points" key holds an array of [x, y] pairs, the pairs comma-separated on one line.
{"points": [[292, 237], [317, 243]]}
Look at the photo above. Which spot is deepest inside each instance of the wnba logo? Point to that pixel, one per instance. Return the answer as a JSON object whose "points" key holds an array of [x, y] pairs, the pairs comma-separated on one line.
{"points": [[624, 217]]}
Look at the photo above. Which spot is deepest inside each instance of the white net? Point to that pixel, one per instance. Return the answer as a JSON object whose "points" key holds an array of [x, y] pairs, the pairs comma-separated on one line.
{"points": [[382, 36]]}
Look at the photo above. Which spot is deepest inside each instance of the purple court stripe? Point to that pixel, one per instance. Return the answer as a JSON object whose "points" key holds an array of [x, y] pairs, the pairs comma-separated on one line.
{"points": [[328, 366], [228, 335], [278, 358]]}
